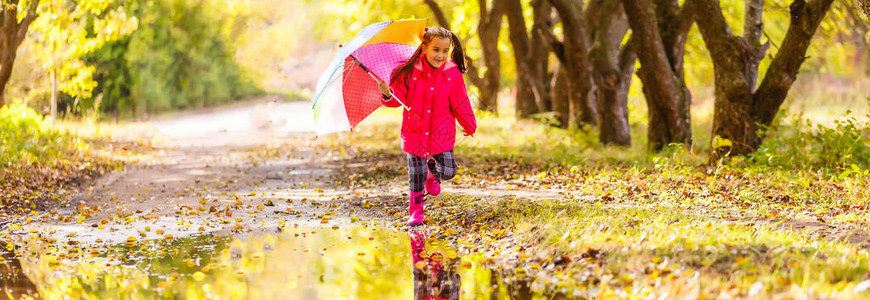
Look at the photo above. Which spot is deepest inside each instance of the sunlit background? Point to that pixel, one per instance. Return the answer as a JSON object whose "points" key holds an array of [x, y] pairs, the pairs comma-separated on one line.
{"points": [[129, 59]]}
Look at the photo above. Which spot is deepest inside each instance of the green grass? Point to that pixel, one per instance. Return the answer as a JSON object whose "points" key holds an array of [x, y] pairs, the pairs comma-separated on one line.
{"points": [[40, 159], [803, 170], [25, 137], [654, 250], [639, 223]]}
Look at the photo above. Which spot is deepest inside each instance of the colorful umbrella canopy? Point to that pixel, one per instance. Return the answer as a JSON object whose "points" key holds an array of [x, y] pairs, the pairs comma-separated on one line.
{"points": [[347, 91]]}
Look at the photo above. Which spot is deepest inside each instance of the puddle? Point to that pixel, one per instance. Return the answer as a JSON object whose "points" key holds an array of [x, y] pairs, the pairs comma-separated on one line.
{"points": [[14, 283], [298, 263]]}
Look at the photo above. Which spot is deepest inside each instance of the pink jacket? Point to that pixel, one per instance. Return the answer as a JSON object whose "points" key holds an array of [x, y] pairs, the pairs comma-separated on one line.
{"points": [[437, 98]]}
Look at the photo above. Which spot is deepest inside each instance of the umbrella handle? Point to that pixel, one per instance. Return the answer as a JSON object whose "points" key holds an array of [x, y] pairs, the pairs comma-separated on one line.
{"points": [[400, 101], [375, 78]]}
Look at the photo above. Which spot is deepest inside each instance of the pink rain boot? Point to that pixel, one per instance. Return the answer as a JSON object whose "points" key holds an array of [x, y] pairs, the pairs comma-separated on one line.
{"points": [[415, 208], [432, 183]]}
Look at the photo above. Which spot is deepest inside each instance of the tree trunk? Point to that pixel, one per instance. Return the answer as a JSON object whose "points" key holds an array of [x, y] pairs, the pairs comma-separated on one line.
{"points": [[488, 28], [560, 93], [539, 54], [12, 33], [660, 31], [439, 14], [7, 59], [530, 86], [859, 30], [739, 107], [783, 70], [611, 87], [54, 91], [561, 96], [488, 93], [865, 7], [583, 109]]}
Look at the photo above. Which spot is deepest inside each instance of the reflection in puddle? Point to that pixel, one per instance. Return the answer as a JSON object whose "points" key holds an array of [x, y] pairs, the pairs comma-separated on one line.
{"points": [[13, 281], [299, 263], [435, 274]]}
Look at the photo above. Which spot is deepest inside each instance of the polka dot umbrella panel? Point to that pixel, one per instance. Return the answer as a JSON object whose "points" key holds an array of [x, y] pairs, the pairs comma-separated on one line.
{"points": [[346, 94]]}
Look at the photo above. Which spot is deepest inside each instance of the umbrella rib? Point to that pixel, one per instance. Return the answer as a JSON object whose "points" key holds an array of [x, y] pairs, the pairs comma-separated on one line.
{"points": [[347, 67], [334, 78]]}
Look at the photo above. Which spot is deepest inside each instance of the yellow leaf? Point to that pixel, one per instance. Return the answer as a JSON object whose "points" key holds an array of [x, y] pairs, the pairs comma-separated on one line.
{"points": [[198, 276]]}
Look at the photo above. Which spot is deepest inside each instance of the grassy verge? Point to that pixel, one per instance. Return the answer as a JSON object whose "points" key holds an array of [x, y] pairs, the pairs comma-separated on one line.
{"points": [[801, 172], [595, 249], [42, 161], [630, 222]]}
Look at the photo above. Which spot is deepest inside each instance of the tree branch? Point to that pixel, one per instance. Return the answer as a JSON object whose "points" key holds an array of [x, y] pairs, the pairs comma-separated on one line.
{"points": [[805, 19], [577, 62], [686, 17], [717, 35], [572, 24], [593, 9], [732, 56], [753, 28], [627, 59], [546, 31], [473, 73], [865, 7], [439, 14], [517, 26], [23, 27], [753, 25], [645, 35]]}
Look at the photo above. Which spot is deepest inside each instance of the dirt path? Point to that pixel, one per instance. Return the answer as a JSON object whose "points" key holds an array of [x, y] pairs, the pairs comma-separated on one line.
{"points": [[236, 171], [256, 169]]}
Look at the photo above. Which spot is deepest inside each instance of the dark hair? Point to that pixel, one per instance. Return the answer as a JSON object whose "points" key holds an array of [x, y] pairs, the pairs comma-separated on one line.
{"points": [[405, 70]]}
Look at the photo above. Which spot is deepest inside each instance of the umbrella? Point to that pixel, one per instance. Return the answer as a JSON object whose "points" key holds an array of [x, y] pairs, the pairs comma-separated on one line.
{"points": [[347, 92]]}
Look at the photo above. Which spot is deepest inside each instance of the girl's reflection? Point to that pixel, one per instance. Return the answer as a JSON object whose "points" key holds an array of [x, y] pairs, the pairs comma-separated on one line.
{"points": [[14, 283], [434, 277]]}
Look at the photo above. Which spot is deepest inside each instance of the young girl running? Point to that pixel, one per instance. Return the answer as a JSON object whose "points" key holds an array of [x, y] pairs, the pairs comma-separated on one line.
{"points": [[432, 86]]}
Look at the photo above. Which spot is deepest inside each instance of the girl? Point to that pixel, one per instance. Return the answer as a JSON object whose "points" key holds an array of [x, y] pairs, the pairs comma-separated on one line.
{"points": [[432, 86]]}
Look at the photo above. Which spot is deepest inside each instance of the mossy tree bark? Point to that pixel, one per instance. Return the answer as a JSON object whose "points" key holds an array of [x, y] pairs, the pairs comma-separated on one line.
{"points": [[530, 58], [577, 64], [488, 27], [12, 33], [613, 66], [739, 106], [660, 30]]}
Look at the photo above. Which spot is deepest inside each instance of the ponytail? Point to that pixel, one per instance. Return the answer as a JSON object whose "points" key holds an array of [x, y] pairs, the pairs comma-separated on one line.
{"points": [[458, 54]]}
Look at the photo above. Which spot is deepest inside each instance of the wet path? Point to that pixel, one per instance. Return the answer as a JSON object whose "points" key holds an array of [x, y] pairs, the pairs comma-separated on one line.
{"points": [[298, 263], [239, 204], [230, 172], [237, 172]]}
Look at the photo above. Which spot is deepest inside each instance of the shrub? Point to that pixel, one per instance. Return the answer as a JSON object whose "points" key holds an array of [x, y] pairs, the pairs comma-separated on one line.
{"points": [[25, 137], [797, 143]]}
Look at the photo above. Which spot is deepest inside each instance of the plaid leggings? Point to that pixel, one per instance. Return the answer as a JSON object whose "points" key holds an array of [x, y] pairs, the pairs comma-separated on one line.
{"points": [[445, 169]]}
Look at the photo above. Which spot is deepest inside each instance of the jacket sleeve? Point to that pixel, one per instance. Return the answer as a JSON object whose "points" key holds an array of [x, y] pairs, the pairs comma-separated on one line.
{"points": [[460, 105], [400, 90]]}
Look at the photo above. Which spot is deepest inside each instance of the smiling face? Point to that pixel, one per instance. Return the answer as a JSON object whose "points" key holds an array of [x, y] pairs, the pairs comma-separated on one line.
{"points": [[436, 51]]}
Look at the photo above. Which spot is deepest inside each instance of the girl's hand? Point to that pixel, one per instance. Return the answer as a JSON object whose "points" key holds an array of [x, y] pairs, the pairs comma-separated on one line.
{"points": [[385, 90]]}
